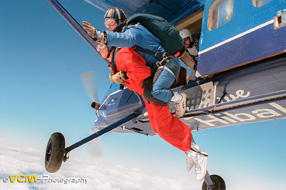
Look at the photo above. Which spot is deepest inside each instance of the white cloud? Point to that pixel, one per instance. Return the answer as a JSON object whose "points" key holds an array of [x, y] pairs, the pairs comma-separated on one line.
{"points": [[101, 177], [31, 161]]}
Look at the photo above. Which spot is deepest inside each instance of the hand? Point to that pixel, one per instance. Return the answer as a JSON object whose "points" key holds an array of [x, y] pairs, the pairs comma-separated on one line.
{"points": [[89, 28], [118, 77]]}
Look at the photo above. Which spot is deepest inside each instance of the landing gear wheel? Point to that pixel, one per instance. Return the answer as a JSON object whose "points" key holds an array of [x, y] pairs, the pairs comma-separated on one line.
{"points": [[55, 151], [218, 183]]}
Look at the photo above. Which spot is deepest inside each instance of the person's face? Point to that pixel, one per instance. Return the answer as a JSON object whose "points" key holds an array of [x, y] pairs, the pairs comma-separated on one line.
{"points": [[104, 53], [110, 23], [102, 49], [187, 42]]}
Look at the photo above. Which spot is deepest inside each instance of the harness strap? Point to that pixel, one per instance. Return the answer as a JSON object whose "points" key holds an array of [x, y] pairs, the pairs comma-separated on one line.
{"points": [[144, 50], [113, 63]]}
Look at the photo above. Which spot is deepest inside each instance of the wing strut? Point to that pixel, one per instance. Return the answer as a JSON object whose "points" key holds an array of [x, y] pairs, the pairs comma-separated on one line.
{"points": [[99, 133], [56, 152], [74, 24]]}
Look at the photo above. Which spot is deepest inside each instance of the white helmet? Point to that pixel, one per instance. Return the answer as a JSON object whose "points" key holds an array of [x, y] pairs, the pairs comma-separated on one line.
{"points": [[185, 33]]}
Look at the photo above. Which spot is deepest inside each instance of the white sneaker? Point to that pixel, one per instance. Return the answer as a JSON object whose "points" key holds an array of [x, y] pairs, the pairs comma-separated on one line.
{"points": [[145, 114], [201, 165], [181, 106], [189, 158], [190, 162], [200, 160]]}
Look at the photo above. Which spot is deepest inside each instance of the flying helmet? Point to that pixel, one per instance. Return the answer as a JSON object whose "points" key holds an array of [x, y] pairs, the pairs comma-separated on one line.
{"points": [[116, 13], [185, 33]]}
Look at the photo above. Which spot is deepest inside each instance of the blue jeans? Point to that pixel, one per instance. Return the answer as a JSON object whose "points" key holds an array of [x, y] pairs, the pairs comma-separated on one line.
{"points": [[160, 89]]}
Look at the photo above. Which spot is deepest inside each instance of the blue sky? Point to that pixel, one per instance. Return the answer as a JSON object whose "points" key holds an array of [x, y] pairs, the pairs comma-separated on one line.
{"points": [[42, 58]]}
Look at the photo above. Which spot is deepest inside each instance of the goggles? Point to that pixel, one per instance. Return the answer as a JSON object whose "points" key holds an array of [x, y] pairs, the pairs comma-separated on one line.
{"points": [[110, 22], [100, 46]]}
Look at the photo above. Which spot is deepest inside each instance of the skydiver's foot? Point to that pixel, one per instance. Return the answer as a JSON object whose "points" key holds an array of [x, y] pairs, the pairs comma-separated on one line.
{"points": [[201, 166], [145, 114], [199, 159], [190, 162], [189, 158], [181, 106]]}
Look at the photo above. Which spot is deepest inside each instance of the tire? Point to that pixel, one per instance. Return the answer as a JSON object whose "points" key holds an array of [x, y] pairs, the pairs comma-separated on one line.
{"points": [[55, 151], [218, 181]]}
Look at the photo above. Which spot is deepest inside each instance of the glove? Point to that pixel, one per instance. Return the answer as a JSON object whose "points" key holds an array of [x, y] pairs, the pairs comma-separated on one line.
{"points": [[96, 35], [100, 37], [89, 28], [118, 77]]}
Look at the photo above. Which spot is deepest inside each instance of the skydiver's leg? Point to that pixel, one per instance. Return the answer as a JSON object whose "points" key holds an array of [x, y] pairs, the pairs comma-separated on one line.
{"points": [[170, 128], [161, 89], [167, 77], [179, 135], [162, 92], [150, 116]]}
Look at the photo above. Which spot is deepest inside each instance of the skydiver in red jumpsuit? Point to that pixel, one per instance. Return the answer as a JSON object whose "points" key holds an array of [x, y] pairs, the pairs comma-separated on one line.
{"points": [[132, 71]]}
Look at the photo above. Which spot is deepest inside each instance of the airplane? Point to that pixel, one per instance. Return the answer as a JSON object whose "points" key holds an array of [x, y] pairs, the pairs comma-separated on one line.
{"points": [[239, 77]]}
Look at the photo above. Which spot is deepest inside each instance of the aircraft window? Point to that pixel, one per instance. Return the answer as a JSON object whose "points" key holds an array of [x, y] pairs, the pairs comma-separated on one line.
{"points": [[220, 13], [259, 3]]}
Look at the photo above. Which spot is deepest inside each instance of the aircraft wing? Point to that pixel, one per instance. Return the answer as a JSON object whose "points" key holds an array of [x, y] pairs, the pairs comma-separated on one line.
{"points": [[172, 10]]}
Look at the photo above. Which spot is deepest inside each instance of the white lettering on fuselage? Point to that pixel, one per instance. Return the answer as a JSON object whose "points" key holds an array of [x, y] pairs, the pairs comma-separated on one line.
{"points": [[231, 97], [226, 118]]}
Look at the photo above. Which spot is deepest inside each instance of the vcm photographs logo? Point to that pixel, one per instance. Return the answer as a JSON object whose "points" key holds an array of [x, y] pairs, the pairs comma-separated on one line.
{"points": [[22, 178], [43, 179]]}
